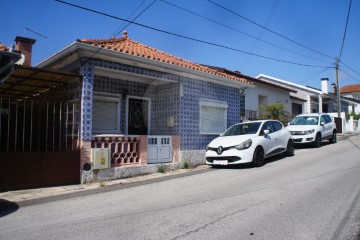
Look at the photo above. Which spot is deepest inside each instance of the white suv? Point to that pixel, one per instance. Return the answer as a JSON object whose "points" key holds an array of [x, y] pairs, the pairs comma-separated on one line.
{"points": [[312, 128]]}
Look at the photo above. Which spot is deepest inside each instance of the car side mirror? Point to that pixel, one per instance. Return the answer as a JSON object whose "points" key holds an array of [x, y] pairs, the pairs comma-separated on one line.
{"points": [[266, 132], [322, 123]]}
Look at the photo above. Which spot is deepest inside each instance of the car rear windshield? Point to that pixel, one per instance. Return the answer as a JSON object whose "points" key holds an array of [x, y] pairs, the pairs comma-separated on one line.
{"points": [[305, 120], [243, 129]]}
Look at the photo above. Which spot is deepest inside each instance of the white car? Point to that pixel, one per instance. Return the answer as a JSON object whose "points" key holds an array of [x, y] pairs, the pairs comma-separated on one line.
{"points": [[250, 142], [312, 128]]}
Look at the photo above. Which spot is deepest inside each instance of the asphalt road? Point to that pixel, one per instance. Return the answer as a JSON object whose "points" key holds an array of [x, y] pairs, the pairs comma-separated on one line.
{"points": [[313, 195]]}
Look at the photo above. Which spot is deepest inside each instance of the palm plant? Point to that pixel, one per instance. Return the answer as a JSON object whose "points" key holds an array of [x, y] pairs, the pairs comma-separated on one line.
{"points": [[276, 111]]}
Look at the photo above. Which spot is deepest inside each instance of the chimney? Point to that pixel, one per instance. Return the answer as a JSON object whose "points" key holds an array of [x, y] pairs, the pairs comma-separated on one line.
{"points": [[324, 85], [24, 46], [333, 86]]}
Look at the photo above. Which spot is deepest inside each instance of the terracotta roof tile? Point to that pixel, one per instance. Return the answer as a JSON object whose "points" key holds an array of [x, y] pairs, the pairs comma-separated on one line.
{"points": [[129, 46], [3, 47], [350, 88]]}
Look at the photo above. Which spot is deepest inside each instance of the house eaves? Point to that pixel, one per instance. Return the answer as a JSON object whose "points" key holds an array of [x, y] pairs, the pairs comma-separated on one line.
{"points": [[252, 79], [280, 81]]}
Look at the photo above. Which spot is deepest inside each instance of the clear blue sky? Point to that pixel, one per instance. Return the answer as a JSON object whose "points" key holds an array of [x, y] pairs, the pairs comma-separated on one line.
{"points": [[317, 24]]}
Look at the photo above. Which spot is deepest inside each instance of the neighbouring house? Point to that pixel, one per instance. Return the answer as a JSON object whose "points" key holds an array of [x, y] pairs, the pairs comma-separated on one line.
{"points": [[352, 91], [144, 105], [312, 100], [265, 92]]}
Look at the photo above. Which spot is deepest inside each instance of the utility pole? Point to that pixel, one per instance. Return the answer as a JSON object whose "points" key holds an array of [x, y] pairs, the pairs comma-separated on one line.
{"points": [[338, 88]]}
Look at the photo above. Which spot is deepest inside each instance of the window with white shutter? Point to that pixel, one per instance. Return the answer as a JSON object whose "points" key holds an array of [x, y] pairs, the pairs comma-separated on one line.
{"points": [[106, 114], [213, 116]]}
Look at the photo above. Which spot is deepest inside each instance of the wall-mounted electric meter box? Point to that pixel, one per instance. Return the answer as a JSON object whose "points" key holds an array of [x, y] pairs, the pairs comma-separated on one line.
{"points": [[100, 158]]}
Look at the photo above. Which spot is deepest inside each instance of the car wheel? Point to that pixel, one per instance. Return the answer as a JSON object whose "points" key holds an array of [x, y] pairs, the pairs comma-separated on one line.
{"points": [[258, 158], [290, 148], [317, 142], [333, 138]]}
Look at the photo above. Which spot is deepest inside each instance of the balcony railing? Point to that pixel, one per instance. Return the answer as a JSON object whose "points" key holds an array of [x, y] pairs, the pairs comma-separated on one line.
{"points": [[124, 149], [248, 114]]}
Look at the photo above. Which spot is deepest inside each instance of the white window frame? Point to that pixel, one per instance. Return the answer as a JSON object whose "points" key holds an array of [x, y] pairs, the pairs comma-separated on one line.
{"points": [[109, 97], [212, 103], [127, 112]]}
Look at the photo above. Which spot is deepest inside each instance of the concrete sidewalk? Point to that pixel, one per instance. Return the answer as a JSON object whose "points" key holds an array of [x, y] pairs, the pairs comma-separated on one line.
{"points": [[32, 194]]}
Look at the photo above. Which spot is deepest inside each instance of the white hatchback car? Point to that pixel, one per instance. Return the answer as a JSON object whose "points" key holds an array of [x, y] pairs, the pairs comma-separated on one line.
{"points": [[250, 142]]}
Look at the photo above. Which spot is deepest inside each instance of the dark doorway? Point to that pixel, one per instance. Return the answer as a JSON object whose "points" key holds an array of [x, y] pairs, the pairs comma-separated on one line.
{"points": [[138, 116], [296, 109], [325, 108]]}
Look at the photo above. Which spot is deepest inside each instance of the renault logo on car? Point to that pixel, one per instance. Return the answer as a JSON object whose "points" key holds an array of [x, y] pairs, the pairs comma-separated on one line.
{"points": [[219, 150]]}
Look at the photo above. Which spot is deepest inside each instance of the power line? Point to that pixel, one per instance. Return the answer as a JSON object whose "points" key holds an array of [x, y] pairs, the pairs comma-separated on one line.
{"points": [[350, 68], [314, 75], [236, 30], [116, 32], [262, 30], [342, 70], [137, 16], [186, 37], [347, 21], [122, 29], [267, 29]]}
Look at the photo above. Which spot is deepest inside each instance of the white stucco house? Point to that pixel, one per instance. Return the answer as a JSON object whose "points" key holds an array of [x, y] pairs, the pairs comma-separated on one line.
{"points": [[352, 91], [311, 100]]}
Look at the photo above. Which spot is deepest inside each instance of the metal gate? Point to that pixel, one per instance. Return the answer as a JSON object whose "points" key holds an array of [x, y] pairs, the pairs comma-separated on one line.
{"points": [[38, 143], [159, 149]]}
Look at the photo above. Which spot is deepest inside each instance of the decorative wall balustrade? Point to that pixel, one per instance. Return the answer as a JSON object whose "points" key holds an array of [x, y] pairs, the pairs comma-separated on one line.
{"points": [[124, 150]]}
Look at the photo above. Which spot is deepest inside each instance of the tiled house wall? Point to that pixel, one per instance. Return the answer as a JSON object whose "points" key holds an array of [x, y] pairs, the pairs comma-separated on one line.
{"points": [[193, 91], [123, 87], [165, 105], [173, 97]]}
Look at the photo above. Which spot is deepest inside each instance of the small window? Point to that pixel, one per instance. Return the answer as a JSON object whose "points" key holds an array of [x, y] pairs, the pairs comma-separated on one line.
{"points": [[106, 114], [322, 119], [213, 116], [327, 119]]}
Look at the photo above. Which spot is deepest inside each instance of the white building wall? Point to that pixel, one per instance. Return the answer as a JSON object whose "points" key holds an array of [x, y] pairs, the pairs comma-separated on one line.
{"points": [[355, 96], [273, 95]]}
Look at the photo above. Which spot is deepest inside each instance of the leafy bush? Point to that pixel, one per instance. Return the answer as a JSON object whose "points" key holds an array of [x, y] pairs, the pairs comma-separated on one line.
{"points": [[355, 116], [161, 169], [276, 111], [186, 164]]}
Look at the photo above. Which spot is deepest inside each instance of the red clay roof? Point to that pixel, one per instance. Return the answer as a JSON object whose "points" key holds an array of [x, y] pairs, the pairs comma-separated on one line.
{"points": [[350, 88], [131, 47], [3, 47]]}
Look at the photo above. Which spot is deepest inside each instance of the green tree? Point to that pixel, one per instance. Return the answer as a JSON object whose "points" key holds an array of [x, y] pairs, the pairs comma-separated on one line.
{"points": [[276, 111]]}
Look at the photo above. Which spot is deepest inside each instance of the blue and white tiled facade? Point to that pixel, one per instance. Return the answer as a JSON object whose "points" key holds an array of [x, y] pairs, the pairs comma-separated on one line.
{"points": [[194, 90], [172, 97], [87, 71]]}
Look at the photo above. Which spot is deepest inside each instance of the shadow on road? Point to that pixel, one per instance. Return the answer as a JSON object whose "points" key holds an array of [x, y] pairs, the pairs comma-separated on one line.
{"points": [[249, 165], [309, 145], [7, 207]]}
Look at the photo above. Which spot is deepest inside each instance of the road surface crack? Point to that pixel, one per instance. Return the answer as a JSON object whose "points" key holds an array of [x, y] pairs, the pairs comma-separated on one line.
{"points": [[219, 219]]}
